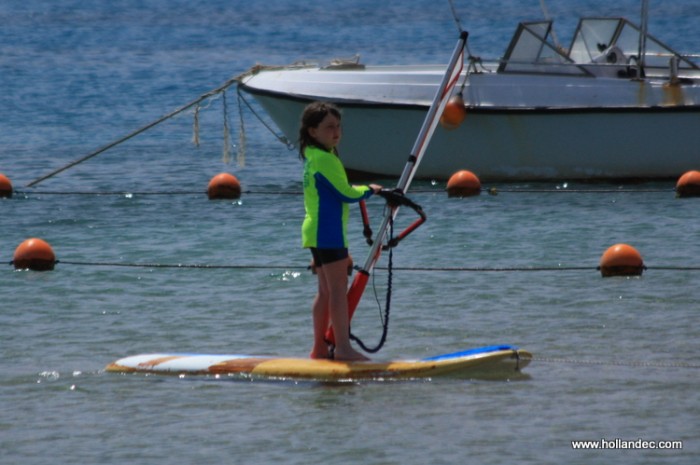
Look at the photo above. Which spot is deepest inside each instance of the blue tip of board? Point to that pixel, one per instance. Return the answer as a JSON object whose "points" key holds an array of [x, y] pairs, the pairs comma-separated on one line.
{"points": [[464, 353]]}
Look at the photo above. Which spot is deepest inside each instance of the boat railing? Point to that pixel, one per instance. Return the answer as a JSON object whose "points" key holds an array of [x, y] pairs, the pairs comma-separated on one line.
{"points": [[625, 70]]}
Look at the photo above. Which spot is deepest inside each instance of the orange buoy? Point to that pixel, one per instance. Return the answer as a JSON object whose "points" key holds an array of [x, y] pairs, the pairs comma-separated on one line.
{"points": [[34, 254], [463, 184], [688, 185], [621, 260], [224, 186], [454, 112], [5, 186]]}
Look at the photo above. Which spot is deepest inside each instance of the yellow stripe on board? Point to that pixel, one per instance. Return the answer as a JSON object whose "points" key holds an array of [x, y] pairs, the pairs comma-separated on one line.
{"points": [[494, 363]]}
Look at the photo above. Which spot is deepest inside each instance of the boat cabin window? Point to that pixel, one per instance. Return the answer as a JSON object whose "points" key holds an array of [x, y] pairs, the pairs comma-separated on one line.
{"points": [[530, 51]]}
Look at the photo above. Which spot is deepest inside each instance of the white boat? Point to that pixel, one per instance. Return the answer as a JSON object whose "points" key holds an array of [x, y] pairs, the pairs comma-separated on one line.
{"points": [[596, 111]]}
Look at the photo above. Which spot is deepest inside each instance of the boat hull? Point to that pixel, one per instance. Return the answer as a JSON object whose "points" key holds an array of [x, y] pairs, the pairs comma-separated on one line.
{"points": [[511, 144]]}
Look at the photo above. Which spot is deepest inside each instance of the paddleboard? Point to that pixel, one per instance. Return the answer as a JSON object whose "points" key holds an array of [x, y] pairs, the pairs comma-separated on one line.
{"points": [[503, 360]]}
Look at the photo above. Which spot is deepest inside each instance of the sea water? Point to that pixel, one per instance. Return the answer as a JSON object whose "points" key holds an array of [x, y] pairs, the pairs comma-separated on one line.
{"points": [[615, 359]]}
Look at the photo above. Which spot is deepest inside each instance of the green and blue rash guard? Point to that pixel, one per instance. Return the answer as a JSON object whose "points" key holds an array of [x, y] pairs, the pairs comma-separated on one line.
{"points": [[327, 194]]}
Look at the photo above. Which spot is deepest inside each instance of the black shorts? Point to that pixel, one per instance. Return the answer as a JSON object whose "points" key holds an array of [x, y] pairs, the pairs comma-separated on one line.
{"points": [[326, 256]]}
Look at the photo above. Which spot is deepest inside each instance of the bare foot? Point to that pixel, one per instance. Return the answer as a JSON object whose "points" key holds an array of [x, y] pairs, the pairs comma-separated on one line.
{"points": [[320, 352], [349, 356], [321, 356]]}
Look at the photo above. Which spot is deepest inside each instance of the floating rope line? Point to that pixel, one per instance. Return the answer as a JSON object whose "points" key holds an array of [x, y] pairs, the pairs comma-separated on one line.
{"points": [[631, 363], [537, 269], [499, 269], [241, 160], [178, 265], [131, 193], [566, 190], [540, 268], [395, 268]]}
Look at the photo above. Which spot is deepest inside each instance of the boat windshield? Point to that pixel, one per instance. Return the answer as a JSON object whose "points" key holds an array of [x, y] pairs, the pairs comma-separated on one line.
{"points": [[617, 41], [601, 46], [530, 51]]}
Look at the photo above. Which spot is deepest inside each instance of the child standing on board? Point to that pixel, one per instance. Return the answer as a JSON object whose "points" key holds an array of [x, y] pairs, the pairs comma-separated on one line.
{"points": [[327, 194]]}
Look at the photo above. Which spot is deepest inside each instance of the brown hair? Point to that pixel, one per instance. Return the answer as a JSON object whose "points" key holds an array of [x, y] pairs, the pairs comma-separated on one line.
{"points": [[312, 116]]}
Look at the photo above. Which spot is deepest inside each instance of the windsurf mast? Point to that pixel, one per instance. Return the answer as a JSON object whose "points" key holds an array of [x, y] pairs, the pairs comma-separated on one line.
{"points": [[432, 118], [421, 145]]}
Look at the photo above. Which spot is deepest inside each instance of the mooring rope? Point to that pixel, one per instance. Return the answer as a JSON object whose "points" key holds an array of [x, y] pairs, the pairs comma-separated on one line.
{"points": [[227, 132], [241, 131], [195, 126], [280, 137], [135, 133], [194, 103]]}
